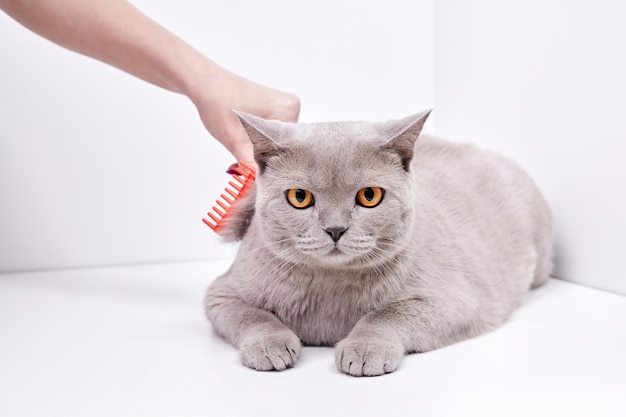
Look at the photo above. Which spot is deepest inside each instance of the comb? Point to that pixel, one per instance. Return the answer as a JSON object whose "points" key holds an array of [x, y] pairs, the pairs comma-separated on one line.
{"points": [[242, 179]]}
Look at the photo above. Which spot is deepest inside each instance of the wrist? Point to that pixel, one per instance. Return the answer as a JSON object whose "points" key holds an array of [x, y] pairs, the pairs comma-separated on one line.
{"points": [[197, 74]]}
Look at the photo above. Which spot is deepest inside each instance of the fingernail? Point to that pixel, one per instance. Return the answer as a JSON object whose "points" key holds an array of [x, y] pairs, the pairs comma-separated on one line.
{"points": [[232, 169]]}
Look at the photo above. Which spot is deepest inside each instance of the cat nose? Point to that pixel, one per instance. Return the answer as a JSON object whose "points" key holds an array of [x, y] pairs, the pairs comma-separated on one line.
{"points": [[335, 232]]}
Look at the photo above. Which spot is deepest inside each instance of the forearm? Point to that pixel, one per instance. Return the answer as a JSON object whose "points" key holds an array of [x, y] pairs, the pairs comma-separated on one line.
{"points": [[115, 32], [236, 320], [421, 325]]}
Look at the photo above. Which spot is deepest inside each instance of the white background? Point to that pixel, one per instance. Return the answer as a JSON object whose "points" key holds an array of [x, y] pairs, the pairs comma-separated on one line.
{"points": [[132, 341], [544, 82], [99, 168]]}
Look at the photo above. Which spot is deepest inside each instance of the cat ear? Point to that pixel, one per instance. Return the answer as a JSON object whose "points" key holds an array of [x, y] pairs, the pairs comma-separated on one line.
{"points": [[263, 134], [404, 133]]}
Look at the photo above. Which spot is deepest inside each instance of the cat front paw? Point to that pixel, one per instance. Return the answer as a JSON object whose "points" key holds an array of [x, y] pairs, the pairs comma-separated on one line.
{"points": [[271, 352], [368, 356]]}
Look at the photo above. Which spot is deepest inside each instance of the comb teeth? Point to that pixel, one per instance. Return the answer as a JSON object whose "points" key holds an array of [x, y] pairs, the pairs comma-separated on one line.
{"points": [[242, 179]]}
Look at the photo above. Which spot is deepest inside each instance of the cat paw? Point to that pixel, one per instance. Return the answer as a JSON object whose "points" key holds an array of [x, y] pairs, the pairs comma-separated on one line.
{"points": [[271, 352], [368, 357]]}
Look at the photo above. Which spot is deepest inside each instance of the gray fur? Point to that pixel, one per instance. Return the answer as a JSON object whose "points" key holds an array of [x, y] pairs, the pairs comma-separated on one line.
{"points": [[460, 236]]}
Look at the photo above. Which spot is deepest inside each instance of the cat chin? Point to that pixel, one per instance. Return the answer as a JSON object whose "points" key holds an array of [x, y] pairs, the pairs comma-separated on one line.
{"points": [[337, 259], [335, 262]]}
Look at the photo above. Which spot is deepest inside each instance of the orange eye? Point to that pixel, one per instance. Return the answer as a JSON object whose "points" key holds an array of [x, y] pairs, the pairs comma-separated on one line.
{"points": [[299, 198], [370, 197]]}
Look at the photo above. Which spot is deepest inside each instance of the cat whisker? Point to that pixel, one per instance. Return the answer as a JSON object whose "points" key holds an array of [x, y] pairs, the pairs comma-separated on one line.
{"points": [[371, 259], [381, 263], [391, 245], [287, 264], [286, 257], [270, 245]]}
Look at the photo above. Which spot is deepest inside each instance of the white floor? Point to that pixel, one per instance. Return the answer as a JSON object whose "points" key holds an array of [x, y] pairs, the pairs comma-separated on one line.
{"points": [[133, 341]]}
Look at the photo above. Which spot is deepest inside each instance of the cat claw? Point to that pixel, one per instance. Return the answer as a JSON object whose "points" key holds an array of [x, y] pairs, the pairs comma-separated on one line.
{"points": [[367, 357], [275, 352]]}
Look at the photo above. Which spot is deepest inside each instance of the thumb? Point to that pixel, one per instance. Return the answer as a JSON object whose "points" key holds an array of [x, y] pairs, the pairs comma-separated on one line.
{"points": [[243, 150]]}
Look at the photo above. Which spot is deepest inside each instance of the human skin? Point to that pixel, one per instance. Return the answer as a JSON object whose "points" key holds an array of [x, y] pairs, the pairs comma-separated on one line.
{"points": [[115, 32]]}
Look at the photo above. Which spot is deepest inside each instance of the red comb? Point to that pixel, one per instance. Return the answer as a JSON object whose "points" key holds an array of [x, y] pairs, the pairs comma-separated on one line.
{"points": [[243, 177]]}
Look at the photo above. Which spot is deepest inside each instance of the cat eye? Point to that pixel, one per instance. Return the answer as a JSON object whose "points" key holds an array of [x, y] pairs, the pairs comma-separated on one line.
{"points": [[299, 198], [370, 197]]}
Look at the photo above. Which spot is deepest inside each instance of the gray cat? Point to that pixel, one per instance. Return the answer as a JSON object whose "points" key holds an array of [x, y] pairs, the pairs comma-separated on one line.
{"points": [[359, 235]]}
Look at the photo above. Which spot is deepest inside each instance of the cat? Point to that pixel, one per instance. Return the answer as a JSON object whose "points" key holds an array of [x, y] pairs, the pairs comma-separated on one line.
{"points": [[361, 236]]}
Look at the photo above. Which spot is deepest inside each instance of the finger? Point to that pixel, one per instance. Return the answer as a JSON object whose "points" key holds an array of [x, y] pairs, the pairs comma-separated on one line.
{"points": [[243, 150], [232, 169]]}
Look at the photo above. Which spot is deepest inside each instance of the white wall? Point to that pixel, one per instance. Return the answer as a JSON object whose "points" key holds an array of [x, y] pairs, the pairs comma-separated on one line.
{"points": [[99, 168], [544, 82]]}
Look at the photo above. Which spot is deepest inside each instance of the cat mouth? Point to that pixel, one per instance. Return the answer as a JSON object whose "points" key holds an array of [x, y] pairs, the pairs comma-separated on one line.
{"points": [[336, 254], [336, 251]]}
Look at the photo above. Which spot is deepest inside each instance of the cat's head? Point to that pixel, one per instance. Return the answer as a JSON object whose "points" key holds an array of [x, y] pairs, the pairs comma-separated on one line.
{"points": [[335, 194]]}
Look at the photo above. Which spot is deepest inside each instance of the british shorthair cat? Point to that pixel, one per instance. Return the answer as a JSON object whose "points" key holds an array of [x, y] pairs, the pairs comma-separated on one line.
{"points": [[376, 240]]}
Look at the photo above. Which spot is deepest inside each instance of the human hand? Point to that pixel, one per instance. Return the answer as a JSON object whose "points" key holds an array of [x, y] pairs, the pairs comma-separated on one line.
{"points": [[222, 91], [157, 56]]}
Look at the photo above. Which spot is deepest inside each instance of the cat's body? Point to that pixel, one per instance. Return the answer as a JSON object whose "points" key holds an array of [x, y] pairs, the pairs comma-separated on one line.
{"points": [[457, 239]]}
